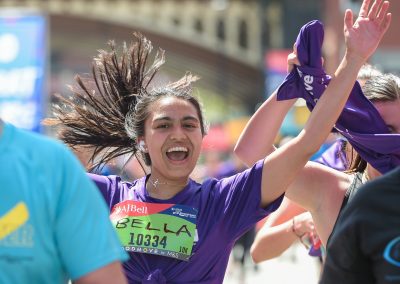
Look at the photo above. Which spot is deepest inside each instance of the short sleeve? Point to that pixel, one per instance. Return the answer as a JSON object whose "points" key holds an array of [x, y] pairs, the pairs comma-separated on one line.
{"points": [[85, 237], [241, 197]]}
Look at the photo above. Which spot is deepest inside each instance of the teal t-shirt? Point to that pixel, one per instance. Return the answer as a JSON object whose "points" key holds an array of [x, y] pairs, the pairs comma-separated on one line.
{"points": [[54, 224]]}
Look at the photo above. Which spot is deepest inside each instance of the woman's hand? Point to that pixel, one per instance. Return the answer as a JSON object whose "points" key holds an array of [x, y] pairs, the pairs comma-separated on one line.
{"points": [[363, 36], [304, 229], [291, 61], [303, 224]]}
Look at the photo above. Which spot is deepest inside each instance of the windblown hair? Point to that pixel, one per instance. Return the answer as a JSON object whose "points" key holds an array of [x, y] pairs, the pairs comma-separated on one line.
{"points": [[103, 106], [94, 116], [384, 88], [367, 72]]}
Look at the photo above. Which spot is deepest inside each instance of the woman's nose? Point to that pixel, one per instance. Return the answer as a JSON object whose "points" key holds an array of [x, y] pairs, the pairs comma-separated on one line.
{"points": [[178, 133]]}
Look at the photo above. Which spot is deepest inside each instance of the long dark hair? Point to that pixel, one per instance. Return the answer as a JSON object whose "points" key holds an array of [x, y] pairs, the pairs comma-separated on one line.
{"points": [[104, 105]]}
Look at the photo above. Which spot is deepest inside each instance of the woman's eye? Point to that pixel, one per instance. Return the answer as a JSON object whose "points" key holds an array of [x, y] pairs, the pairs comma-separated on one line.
{"points": [[189, 126], [162, 126]]}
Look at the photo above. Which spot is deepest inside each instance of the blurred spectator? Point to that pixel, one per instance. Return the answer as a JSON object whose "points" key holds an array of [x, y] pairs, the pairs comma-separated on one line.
{"points": [[54, 223], [365, 246]]}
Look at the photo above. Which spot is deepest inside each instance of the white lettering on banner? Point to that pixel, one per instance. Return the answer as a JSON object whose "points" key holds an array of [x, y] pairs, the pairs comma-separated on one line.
{"points": [[308, 80], [300, 73], [21, 114], [178, 211], [131, 208], [18, 82], [172, 254]]}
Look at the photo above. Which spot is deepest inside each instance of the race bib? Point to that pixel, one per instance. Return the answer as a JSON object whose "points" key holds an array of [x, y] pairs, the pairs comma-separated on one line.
{"points": [[161, 229]]}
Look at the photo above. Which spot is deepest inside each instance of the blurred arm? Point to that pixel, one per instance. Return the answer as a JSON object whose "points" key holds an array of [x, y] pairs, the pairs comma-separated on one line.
{"points": [[111, 273]]}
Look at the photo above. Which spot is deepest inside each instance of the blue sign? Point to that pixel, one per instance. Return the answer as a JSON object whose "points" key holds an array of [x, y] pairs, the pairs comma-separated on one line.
{"points": [[23, 69]]}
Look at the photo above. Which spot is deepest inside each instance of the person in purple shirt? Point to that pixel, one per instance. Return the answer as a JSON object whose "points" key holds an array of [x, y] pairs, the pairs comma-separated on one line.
{"points": [[319, 189], [175, 229]]}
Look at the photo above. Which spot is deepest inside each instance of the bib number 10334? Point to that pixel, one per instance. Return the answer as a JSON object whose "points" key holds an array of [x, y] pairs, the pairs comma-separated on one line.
{"points": [[161, 229]]}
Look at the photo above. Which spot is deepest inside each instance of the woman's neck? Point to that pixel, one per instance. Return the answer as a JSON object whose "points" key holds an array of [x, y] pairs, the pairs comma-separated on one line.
{"points": [[162, 189]]}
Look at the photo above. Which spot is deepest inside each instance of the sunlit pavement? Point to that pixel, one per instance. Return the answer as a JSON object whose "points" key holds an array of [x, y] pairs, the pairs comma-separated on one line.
{"points": [[295, 266]]}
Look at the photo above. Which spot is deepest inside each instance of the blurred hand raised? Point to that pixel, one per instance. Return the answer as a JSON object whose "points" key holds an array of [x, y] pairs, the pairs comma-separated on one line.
{"points": [[363, 36]]}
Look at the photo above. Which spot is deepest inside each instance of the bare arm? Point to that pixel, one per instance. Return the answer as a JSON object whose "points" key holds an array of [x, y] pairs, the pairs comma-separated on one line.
{"points": [[283, 165], [278, 230], [111, 273], [258, 136], [320, 190]]}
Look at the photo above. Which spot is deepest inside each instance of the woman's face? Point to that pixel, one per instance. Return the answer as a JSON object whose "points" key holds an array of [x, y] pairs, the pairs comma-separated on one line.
{"points": [[390, 112], [173, 138]]}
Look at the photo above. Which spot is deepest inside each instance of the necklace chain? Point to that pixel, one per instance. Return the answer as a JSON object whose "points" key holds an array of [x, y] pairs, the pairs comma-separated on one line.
{"points": [[157, 182]]}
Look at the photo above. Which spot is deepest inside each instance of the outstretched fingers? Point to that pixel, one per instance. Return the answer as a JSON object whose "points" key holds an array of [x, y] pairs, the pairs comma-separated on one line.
{"points": [[364, 9], [362, 35], [382, 16], [373, 12], [386, 23], [348, 20]]}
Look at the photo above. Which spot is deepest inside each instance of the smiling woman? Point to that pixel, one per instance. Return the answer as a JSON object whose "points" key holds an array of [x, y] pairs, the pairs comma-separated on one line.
{"points": [[170, 224]]}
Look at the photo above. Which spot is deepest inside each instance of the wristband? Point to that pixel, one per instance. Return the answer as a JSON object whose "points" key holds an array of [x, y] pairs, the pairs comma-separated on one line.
{"points": [[294, 229], [300, 236]]}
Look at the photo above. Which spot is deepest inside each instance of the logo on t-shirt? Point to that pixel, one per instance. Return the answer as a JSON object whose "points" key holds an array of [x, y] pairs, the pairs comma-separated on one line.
{"points": [[392, 252], [16, 234], [161, 229], [13, 219]]}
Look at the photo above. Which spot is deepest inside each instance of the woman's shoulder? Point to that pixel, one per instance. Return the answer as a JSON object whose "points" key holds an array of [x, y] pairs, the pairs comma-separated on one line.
{"points": [[324, 176], [114, 181], [318, 187]]}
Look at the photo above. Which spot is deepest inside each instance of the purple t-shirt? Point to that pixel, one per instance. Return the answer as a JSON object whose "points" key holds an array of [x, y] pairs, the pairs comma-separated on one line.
{"points": [[222, 209]]}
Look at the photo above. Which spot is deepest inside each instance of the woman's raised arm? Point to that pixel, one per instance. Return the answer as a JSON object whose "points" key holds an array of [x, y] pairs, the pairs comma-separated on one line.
{"points": [[283, 165]]}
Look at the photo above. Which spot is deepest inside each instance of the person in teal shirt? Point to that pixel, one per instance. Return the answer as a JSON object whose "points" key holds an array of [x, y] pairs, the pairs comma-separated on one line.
{"points": [[54, 225]]}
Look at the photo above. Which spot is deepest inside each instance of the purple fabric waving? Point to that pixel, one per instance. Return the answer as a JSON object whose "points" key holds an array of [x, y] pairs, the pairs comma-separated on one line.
{"points": [[334, 157], [360, 123]]}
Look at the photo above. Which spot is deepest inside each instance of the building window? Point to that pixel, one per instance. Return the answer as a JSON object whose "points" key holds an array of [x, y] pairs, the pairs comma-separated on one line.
{"points": [[243, 34], [176, 21], [198, 25], [221, 29]]}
